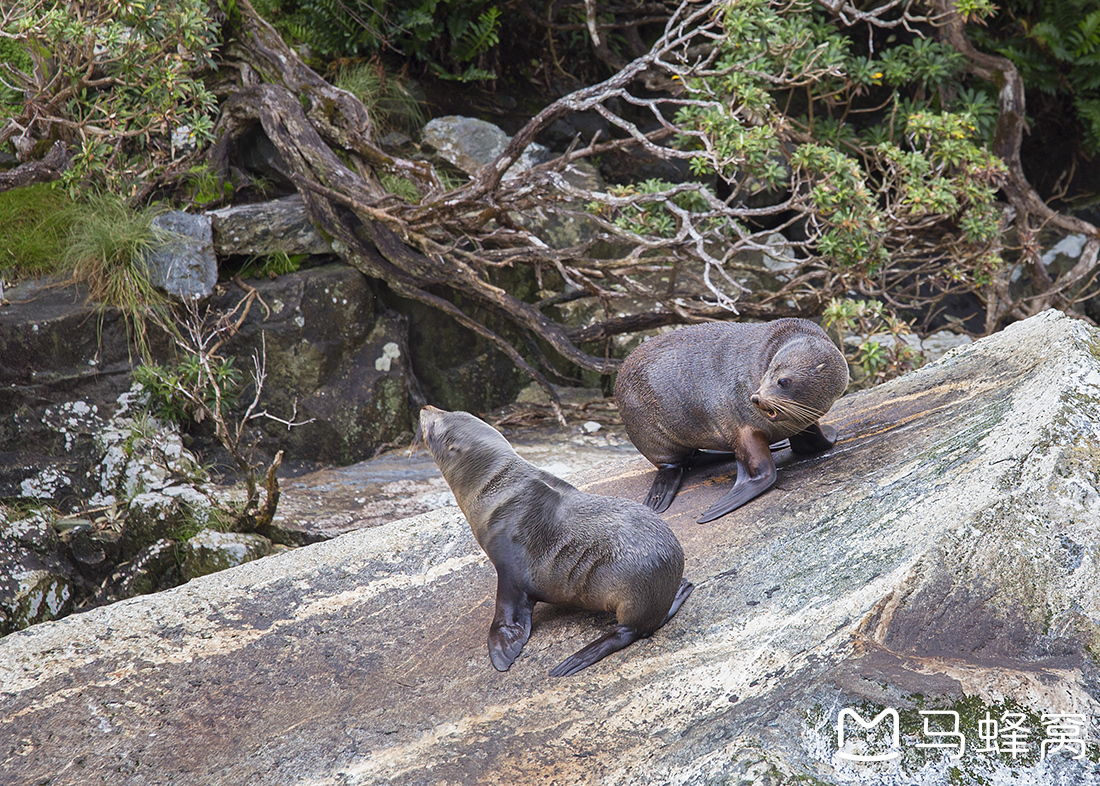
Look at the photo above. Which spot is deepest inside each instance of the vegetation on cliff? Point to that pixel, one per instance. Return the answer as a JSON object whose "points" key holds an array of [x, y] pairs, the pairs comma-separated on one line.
{"points": [[876, 141]]}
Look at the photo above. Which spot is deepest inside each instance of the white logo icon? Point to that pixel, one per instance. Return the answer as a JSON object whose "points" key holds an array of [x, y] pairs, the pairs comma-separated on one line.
{"points": [[895, 734]]}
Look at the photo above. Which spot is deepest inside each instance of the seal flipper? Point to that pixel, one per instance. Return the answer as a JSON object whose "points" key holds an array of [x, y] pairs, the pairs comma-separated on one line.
{"points": [[755, 475], [512, 623], [621, 637], [815, 438], [681, 595], [664, 488], [614, 641]]}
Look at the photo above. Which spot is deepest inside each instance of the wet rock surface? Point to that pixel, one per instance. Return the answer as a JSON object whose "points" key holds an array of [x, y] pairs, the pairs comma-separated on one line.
{"points": [[406, 482], [942, 557]]}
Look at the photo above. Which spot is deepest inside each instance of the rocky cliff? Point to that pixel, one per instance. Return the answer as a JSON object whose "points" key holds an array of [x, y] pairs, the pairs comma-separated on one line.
{"points": [[936, 571]]}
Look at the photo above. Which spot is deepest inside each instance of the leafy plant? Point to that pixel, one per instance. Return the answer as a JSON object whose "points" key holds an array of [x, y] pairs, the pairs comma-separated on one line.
{"points": [[271, 265], [204, 387], [643, 208], [119, 78], [189, 390], [1055, 45], [448, 36], [883, 154], [882, 352]]}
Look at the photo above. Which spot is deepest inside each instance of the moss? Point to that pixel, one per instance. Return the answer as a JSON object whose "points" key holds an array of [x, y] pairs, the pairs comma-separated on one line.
{"points": [[32, 230]]}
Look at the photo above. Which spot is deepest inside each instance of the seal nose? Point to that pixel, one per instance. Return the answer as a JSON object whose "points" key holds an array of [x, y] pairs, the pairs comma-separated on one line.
{"points": [[755, 399]]}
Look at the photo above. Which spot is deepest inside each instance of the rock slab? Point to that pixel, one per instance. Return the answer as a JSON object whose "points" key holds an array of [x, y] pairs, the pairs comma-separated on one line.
{"points": [[944, 556]]}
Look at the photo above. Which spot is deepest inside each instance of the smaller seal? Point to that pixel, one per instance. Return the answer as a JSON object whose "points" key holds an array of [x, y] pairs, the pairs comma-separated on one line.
{"points": [[707, 391], [551, 542]]}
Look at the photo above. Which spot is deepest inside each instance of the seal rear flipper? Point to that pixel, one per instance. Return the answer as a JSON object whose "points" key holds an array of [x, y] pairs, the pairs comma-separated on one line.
{"points": [[681, 595], [664, 487], [814, 438], [511, 626], [614, 641]]}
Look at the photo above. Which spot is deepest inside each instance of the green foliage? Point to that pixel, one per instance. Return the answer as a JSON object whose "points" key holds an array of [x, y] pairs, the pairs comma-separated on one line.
{"points": [[106, 249], [271, 265], [14, 58], [449, 36], [650, 216], [401, 187], [873, 146], [1055, 45], [875, 360], [188, 390], [388, 101], [206, 188], [33, 230], [120, 77]]}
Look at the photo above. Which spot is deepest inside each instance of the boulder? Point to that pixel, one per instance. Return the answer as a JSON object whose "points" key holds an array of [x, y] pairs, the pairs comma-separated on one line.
{"points": [[36, 579], [469, 144], [210, 551], [184, 264], [936, 572], [337, 361], [65, 365]]}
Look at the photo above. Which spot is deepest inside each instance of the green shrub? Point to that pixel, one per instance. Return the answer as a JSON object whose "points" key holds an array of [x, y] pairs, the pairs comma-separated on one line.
{"points": [[447, 35], [1055, 45]]}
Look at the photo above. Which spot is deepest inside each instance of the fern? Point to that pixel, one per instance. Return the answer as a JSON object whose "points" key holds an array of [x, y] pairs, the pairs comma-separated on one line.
{"points": [[1088, 111], [478, 37]]}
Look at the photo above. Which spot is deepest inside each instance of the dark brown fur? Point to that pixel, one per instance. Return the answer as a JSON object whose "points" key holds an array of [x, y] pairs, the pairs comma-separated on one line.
{"points": [[551, 542], [729, 387]]}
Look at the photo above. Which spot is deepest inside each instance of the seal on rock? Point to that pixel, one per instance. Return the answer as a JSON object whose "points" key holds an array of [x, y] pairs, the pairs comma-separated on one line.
{"points": [[551, 542], [727, 387]]}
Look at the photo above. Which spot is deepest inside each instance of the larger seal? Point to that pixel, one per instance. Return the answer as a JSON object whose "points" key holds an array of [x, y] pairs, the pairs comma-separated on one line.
{"points": [[729, 388], [551, 542]]}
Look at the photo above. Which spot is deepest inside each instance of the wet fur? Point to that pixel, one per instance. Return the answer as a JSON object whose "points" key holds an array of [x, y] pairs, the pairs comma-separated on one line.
{"points": [[553, 543], [693, 389]]}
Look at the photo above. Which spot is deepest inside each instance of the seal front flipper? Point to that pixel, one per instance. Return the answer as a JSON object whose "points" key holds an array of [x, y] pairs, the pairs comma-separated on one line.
{"points": [[814, 438], [614, 641], [664, 487], [511, 625], [755, 475]]}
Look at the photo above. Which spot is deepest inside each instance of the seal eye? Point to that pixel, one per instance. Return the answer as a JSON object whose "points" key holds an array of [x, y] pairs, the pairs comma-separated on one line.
{"points": [[784, 383]]}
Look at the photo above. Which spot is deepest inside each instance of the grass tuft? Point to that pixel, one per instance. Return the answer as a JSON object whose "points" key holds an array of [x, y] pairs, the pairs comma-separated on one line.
{"points": [[389, 103], [107, 245], [32, 230]]}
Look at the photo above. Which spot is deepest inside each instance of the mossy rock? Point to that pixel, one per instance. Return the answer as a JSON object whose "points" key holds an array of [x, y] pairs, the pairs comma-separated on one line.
{"points": [[210, 551]]}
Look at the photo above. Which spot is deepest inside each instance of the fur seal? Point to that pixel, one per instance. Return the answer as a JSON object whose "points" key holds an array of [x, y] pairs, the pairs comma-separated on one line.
{"points": [[727, 387], [551, 542]]}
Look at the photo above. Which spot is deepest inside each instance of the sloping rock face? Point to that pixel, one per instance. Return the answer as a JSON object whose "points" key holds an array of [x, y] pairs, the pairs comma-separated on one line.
{"points": [[940, 568]]}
